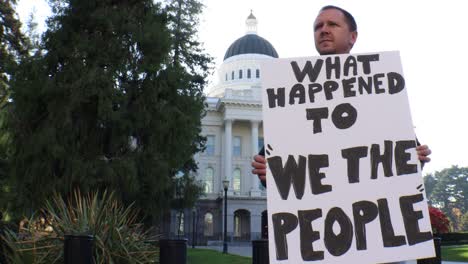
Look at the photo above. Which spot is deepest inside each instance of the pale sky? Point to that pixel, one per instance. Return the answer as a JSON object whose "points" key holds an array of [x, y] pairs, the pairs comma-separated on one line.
{"points": [[430, 35]]}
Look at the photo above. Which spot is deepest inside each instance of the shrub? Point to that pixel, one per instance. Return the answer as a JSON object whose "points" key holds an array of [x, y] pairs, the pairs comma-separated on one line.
{"points": [[119, 238], [439, 221]]}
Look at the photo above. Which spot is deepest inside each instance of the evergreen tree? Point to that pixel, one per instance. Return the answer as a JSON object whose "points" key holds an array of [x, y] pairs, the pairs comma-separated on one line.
{"points": [[12, 46], [186, 49], [13, 49], [448, 189], [105, 106], [32, 33], [464, 223]]}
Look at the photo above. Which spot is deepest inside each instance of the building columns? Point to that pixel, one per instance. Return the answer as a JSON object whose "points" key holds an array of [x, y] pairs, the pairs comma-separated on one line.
{"points": [[228, 152], [254, 191], [254, 133]]}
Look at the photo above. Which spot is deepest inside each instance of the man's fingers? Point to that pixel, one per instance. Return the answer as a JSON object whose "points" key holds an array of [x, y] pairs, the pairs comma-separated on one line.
{"points": [[259, 171], [423, 152], [424, 158], [258, 165], [260, 159]]}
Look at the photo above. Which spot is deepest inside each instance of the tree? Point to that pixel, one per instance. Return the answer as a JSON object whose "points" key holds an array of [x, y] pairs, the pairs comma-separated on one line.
{"points": [[186, 193], [13, 50], [464, 223], [105, 106], [186, 49], [12, 46], [32, 33], [448, 190]]}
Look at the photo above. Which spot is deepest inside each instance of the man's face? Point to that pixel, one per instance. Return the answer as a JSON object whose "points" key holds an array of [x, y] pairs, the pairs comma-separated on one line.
{"points": [[332, 34]]}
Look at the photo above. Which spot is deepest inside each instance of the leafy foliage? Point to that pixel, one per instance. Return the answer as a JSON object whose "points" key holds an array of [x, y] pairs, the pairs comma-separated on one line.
{"points": [[106, 105], [186, 192], [119, 238], [12, 46], [13, 51], [448, 190], [439, 221], [464, 222]]}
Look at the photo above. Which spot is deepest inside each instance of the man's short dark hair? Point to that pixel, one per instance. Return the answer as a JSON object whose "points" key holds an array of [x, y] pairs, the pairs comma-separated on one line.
{"points": [[349, 18]]}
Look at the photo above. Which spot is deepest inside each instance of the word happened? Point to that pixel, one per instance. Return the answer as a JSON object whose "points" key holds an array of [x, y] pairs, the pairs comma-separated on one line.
{"points": [[363, 212], [350, 78]]}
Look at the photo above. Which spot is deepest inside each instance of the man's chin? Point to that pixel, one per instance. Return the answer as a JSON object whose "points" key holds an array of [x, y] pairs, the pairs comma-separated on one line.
{"points": [[327, 51]]}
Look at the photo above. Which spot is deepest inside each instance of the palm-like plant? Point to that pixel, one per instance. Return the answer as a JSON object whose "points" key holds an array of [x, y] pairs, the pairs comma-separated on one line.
{"points": [[119, 238]]}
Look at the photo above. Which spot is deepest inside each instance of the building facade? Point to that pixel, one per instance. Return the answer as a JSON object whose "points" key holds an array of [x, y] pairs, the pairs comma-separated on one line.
{"points": [[234, 131]]}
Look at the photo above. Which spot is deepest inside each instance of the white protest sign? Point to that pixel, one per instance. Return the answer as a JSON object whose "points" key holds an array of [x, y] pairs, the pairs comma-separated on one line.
{"points": [[344, 182]]}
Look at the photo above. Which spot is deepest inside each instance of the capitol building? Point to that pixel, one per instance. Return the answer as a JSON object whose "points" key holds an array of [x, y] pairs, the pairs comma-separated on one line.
{"points": [[234, 132]]}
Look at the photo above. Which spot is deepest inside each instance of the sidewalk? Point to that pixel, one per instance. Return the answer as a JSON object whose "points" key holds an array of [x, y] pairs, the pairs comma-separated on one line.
{"points": [[246, 251]]}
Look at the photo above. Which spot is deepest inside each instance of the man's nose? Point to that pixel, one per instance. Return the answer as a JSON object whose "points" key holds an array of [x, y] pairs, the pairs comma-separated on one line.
{"points": [[324, 30]]}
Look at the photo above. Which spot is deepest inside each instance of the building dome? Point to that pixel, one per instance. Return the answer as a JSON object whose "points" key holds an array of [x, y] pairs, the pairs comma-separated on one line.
{"points": [[239, 74], [251, 44]]}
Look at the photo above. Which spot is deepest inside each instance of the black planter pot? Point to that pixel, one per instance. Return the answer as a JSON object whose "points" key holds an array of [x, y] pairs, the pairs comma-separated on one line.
{"points": [[78, 249], [173, 251], [438, 258], [260, 252]]}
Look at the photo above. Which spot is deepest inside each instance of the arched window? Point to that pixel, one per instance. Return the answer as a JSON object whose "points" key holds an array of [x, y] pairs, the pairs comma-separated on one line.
{"points": [[236, 180], [209, 175], [232, 75], [249, 74], [241, 226], [208, 225], [257, 73], [237, 226], [240, 74]]}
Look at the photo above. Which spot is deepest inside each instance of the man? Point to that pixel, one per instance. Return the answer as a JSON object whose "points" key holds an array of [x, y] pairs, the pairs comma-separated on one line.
{"points": [[335, 32]]}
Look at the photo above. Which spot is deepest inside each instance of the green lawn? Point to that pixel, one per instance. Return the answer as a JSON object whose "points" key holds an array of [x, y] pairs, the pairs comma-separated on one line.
{"points": [[207, 256], [455, 253]]}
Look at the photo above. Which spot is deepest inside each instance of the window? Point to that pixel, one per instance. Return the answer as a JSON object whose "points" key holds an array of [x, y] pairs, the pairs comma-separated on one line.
{"points": [[232, 75], [208, 229], [261, 143], [210, 145], [226, 77], [249, 74], [257, 73], [236, 180], [240, 74], [237, 226], [180, 223], [209, 180], [236, 147]]}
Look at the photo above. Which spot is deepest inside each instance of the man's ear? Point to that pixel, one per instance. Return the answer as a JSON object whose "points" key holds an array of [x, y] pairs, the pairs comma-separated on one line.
{"points": [[353, 38]]}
